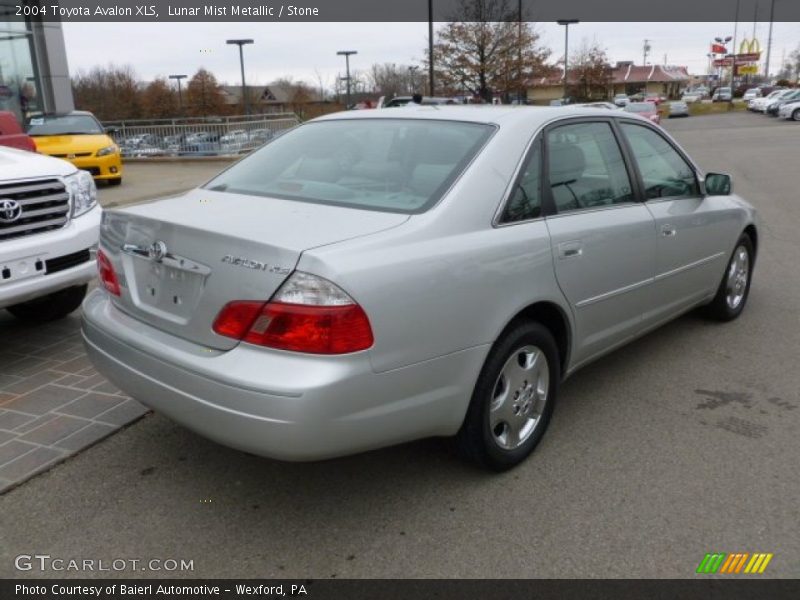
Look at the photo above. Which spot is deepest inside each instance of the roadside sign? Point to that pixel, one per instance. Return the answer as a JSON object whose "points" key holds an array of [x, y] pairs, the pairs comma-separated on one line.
{"points": [[748, 70]]}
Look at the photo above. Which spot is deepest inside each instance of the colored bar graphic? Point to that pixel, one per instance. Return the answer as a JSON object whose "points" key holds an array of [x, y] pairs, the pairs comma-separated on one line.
{"points": [[734, 563]]}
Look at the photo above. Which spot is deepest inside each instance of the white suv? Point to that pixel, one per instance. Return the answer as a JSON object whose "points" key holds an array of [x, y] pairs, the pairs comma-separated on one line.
{"points": [[49, 224]]}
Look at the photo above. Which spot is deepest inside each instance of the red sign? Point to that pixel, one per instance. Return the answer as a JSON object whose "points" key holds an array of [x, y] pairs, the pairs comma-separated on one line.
{"points": [[718, 49]]}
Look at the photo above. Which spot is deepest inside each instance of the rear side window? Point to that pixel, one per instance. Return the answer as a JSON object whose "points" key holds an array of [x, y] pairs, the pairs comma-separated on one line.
{"points": [[586, 168], [665, 173], [395, 165], [525, 202]]}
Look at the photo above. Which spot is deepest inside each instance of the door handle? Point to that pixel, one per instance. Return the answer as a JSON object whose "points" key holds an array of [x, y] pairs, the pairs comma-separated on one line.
{"points": [[570, 249], [668, 230]]}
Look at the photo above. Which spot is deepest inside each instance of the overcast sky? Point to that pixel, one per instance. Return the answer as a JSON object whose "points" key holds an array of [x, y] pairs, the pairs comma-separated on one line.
{"points": [[303, 49]]}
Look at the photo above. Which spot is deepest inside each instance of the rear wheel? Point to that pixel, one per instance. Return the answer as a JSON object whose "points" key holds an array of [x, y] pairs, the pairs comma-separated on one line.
{"points": [[513, 398], [796, 115], [735, 285], [51, 307]]}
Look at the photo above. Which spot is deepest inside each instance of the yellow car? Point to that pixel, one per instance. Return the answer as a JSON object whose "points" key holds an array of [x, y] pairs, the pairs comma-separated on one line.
{"points": [[79, 138]]}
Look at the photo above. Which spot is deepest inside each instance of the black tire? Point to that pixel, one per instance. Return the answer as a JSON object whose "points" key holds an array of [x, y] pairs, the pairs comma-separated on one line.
{"points": [[116, 181], [721, 308], [476, 440], [51, 307], [796, 115]]}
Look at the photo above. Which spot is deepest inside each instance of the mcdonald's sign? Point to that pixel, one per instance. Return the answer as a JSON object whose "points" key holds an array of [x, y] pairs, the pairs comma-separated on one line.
{"points": [[750, 46], [749, 51], [735, 563]]}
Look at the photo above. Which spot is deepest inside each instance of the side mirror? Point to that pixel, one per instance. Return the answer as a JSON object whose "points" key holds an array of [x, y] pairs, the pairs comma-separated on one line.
{"points": [[718, 184], [112, 130]]}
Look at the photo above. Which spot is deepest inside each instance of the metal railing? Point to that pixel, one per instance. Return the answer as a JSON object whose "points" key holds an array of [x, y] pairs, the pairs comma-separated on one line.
{"points": [[194, 137]]}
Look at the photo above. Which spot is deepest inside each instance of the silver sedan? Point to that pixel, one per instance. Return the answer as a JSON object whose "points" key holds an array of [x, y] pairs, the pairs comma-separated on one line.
{"points": [[368, 279]]}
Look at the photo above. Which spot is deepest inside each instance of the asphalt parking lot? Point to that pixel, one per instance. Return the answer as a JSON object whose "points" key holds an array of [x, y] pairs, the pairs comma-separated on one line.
{"points": [[683, 443]]}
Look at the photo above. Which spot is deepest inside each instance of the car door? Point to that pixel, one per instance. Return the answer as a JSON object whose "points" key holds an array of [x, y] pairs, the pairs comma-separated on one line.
{"points": [[602, 237], [691, 232]]}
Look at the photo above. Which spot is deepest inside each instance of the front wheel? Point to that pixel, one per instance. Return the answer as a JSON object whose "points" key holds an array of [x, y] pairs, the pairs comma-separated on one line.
{"points": [[513, 398], [796, 115], [734, 288], [51, 307]]}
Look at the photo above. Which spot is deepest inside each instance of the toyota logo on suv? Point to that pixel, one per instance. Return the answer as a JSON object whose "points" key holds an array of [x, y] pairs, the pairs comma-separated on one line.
{"points": [[10, 211]]}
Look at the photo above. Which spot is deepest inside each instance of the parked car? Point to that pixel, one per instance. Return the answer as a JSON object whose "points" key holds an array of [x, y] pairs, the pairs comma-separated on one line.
{"points": [[79, 138], [694, 96], [260, 136], [760, 104], [621, 100], [11, 133], [235, 141], [654, 98], [648, 110], [774, 106], [426, 101], [722, 94], [790, 110], [678, 108], [202, 143], [751, 94], [605, 105], [49, 223], [308, 303]]}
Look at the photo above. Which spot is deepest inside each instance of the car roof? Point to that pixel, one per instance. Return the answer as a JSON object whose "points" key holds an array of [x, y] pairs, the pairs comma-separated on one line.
{"points": [[471, 113]]}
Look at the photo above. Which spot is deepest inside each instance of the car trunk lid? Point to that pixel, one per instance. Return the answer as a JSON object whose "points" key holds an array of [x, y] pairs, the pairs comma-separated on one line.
{"points": [[181, 260]]}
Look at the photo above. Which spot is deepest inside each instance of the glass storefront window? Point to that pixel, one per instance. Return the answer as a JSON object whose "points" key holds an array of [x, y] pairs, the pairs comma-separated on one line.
{"points": [[18, 81]]}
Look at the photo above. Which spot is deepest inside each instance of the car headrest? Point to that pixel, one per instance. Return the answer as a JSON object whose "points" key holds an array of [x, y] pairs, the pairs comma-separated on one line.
{"points": [[567, 163]]}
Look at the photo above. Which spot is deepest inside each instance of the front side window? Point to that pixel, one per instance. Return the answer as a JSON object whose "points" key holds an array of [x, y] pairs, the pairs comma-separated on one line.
{"points": [[664, 172], [394, 165], [586, 168]]}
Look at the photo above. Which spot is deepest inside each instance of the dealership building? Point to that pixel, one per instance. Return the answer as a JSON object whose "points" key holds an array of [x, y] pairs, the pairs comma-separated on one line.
{"points": [[34, 76]]}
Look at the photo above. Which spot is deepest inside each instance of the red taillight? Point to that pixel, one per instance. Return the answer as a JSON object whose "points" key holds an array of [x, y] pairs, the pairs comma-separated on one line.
{"points": [[297, 327], [235, 318], [107, 274]]}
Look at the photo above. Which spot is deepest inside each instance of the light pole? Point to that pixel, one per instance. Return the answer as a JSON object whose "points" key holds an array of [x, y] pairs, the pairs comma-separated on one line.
{"points": [[724, 41], [412, 75], [735, 33], [241, 43], [430, 47], [346, 54], [566, 23], [180, 96]]}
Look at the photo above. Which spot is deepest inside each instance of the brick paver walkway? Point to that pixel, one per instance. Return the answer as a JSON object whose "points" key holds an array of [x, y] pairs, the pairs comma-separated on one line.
{"points": [[53, 403]]}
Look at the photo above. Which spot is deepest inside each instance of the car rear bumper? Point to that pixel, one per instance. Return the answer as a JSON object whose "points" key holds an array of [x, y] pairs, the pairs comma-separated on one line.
{"points": [[63, 252], [281, 405]]}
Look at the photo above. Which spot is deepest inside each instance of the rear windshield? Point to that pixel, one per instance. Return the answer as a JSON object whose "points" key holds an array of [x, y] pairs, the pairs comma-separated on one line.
{"points": [[393, 165], [63, 125]]}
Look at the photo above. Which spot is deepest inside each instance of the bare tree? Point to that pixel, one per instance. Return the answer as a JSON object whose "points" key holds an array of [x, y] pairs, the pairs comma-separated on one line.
{"points": [[390, 79], [590, 69], [204, 95], [111, 92], [484, 50], [159, 100]]}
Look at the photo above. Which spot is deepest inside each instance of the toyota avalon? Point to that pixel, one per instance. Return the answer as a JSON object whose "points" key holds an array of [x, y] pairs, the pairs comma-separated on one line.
{"points": [[371, 278]]}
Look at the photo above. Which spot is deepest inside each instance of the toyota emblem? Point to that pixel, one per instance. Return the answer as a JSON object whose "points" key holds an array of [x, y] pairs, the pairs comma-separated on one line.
{"points": [[157, 251], [10, 210]]}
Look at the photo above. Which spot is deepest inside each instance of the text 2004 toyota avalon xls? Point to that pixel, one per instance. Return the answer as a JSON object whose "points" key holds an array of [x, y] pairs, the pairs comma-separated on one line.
{"points": [[367, 279]]}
